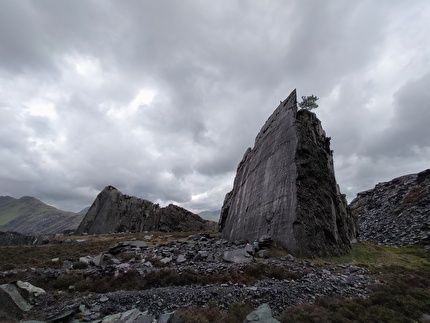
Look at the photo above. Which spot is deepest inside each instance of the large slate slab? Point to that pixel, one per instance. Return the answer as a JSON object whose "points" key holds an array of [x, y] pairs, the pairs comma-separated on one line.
{"points": [[285, 187]]}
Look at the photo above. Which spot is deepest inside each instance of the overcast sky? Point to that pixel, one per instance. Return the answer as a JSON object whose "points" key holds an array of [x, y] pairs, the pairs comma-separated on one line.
{"points": [[162, 98]]}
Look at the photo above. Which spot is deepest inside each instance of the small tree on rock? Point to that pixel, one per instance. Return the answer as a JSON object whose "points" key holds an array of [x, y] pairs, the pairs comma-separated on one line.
{"points": [[309, 102]]}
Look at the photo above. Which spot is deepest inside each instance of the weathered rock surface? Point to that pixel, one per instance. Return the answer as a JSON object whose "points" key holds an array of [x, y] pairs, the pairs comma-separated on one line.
{"points": [[113, 211], [18, 298], [285, 187], [395, 212], [262, 314]]}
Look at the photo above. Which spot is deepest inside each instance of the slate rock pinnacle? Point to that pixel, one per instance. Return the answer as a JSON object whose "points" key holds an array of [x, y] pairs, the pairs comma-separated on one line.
{"points": [[285, 187]]}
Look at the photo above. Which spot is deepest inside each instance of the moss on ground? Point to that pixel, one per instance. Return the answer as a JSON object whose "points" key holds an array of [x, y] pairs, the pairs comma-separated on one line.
{"points": [[377, 258]]}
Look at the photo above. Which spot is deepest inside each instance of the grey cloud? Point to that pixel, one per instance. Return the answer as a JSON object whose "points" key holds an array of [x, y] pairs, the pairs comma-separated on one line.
{"points": [[408, 131], [218, 70], [24, 46]]}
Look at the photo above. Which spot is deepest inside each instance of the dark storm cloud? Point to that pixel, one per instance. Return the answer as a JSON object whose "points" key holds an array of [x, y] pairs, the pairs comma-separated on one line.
{"points": [[76, 82], [20, 50], [408, 132]]}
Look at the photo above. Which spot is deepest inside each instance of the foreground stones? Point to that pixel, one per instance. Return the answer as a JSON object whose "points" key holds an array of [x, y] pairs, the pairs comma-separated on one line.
{"points": [[395, 212], [203, 255], [113, 211], [18, 297], [285, 187]]}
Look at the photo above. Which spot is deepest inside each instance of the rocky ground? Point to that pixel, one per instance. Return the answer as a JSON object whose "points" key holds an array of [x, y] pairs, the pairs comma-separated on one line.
{"points": [[202, 270]]}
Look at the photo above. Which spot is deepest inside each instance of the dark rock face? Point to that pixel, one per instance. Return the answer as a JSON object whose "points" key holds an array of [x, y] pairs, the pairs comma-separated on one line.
{"points": [[113, 211], [395, 212], [285, 187]]}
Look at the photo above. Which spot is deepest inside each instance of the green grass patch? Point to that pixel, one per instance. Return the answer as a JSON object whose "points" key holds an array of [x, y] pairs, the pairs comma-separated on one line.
{"points": [[379, 258]]}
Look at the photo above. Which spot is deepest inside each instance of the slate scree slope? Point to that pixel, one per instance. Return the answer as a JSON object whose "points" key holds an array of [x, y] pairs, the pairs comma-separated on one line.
{"points": [[395, 212], [285, 187]]}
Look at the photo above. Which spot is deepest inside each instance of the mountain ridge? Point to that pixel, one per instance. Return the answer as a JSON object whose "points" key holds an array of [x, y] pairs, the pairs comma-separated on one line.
{"points": [[29, 215]]}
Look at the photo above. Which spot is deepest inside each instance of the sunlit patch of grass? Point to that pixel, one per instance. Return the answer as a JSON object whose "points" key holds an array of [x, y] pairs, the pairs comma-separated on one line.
{"points": [[376, 257]]}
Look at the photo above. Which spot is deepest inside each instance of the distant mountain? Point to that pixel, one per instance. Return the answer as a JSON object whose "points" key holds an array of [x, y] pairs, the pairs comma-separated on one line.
{"points": [[84, 211], [211, 215], [29, 215]]}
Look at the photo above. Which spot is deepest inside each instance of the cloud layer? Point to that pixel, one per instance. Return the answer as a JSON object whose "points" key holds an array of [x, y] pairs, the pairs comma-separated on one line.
{"points": [[161, 99]]}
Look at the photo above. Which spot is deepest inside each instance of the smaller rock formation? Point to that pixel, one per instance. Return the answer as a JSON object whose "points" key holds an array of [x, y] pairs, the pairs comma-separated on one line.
{"points": [[395, 212], [113, 211]]}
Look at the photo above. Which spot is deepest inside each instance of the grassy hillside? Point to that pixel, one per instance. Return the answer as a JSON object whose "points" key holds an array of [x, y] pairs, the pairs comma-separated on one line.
{"points": [[28, 215], [11, 208], [210, 215]]}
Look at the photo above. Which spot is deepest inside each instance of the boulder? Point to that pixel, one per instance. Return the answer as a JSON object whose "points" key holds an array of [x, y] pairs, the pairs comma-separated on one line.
{"points": [[263, 253], [237, 256], [285, 188], [113, 211], [133, 315], [98, 260], [249, 248], [18, 297], [181, 259], [262, 314]]}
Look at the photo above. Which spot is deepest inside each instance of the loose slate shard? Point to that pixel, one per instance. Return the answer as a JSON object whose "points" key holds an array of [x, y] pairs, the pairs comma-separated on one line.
{"points": [[285, 187]]}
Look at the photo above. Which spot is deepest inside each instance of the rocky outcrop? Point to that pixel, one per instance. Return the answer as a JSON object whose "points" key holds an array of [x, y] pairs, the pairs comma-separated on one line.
{"points": [[285, 187], [395, 212], [113, 211]]}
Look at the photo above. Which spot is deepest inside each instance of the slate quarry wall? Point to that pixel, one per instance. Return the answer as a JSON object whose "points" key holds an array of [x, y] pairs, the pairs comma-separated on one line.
{"points": [[285, 187], [113, 211], [396, 212]]}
